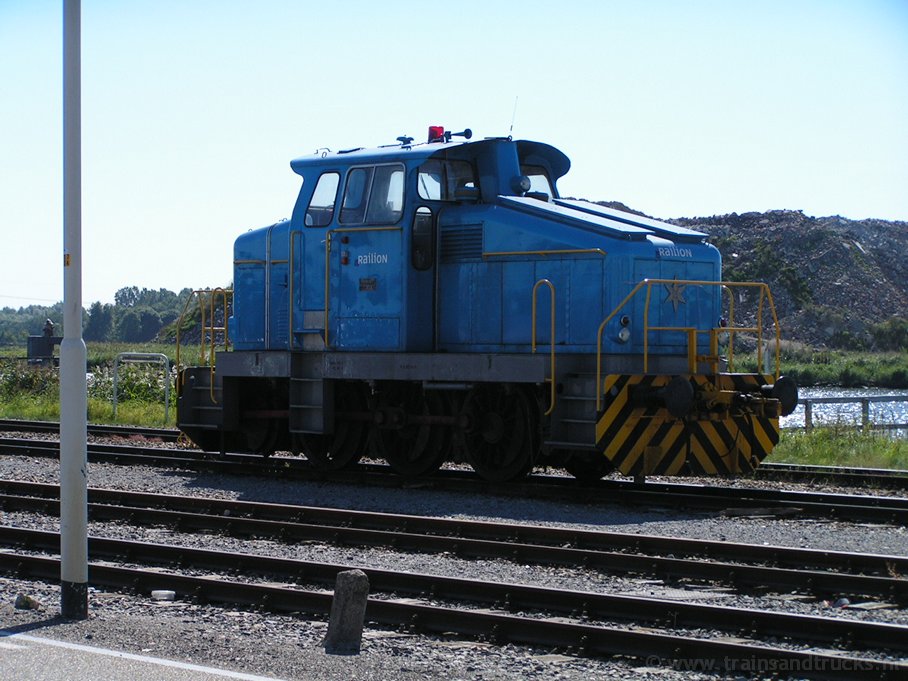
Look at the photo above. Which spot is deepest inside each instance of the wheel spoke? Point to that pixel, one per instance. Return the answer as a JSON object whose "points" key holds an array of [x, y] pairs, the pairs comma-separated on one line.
{"points": [[500, 443], [412, 448]]}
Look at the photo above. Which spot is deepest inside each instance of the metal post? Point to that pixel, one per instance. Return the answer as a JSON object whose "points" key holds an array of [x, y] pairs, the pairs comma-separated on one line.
{"points": [[73, 389]]}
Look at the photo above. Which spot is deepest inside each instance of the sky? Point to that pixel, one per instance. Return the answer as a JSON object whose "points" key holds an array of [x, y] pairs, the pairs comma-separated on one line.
{"points": [[192, 111]]}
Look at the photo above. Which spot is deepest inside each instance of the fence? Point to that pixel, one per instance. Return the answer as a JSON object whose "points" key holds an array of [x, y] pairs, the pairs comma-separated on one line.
{"points": [[865, 401]]}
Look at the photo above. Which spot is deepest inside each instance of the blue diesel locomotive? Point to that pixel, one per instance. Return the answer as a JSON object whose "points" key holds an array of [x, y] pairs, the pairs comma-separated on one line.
{"points": [[441, 301]]}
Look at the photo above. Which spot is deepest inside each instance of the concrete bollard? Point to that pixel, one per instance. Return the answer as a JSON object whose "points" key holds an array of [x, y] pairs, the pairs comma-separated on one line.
{"points": [[348, 611]]}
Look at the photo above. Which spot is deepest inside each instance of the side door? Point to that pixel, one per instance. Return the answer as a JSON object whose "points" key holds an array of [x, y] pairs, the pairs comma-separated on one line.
{"points": [[366, 261], [307, 249]]}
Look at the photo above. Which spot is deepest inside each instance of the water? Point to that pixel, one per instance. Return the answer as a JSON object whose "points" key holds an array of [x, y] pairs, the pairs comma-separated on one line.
{"points": [[850, 414]]}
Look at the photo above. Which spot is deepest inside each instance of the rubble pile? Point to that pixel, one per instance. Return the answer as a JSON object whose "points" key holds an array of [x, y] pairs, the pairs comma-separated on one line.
{"points": [[832, 279]]}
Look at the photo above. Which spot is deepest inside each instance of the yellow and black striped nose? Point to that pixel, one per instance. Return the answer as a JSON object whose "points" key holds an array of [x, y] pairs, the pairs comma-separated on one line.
{"points": [[728, 428]]}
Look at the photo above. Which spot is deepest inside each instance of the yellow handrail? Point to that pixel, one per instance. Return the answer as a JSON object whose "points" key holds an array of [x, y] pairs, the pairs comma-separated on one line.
{"points": [[765, 294], [328, 236], [552, 337], [293, 236], [760, 334], [212, 296]]}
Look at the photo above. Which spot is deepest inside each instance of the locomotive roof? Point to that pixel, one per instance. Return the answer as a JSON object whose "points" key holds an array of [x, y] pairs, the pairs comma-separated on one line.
{"points": [[558, 162]]}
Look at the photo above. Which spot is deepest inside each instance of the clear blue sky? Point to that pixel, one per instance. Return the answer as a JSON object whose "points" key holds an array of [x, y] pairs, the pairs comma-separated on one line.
{"points": [[193, 110]]}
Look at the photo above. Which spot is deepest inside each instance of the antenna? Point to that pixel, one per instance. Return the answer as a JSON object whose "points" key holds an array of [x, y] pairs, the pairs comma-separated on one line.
{"points": [[513, 117]]}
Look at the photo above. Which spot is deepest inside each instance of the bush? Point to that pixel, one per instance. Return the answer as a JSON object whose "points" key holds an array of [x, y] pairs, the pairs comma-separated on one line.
{"points": [[17, 378], [891, 334], [141, 383], [838, 367]]}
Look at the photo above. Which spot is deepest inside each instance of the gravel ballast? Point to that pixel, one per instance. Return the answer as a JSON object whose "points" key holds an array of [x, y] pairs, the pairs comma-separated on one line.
{"points": [[288, 647]]}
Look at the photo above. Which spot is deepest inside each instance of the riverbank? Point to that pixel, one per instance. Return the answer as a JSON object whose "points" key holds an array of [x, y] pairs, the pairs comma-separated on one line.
{"points": [[846, 369]]}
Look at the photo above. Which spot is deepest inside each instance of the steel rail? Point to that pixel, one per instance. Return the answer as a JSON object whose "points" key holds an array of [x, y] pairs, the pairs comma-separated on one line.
{"points": [[881, 478], [20, 425], [465, 529], [128, 453], [669, 614], [822, 573], [733, 500]]}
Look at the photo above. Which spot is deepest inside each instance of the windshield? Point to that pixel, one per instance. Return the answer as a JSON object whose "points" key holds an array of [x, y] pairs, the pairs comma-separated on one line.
{"points": [[439, 180]]}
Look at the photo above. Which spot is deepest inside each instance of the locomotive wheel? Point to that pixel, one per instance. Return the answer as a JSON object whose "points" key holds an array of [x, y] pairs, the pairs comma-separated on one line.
{"points": [[588, 467], [414, 449], [346, 445], [499, 441]]}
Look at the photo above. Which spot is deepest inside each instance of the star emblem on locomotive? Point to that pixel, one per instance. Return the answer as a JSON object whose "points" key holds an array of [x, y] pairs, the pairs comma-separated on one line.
{"points": [[675, 294]]}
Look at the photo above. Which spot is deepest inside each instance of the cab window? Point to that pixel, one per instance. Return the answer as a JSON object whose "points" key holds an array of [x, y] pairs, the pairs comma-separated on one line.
{"points": [[321, 206], [439, 180], [373, 195], [386, 202]]}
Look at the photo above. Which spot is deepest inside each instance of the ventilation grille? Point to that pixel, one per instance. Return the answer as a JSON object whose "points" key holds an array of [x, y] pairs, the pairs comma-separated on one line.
{"points": [[461, 242]]}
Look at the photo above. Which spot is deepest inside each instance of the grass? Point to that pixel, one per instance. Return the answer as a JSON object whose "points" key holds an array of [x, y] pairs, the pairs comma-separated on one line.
{"points": [[129, 413], [32, 392], [842, 446]]}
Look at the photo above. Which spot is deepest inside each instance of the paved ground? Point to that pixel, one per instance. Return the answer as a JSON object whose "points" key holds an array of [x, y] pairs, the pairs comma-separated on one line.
{"points": [[24, 657]]}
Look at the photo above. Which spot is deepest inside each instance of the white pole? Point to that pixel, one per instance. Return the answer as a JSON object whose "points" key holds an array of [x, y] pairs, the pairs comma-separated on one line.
{"points": [[73, 390]]}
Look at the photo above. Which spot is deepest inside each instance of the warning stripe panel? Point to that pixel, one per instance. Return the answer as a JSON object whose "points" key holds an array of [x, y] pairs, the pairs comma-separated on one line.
{"points": [[640, 437]]}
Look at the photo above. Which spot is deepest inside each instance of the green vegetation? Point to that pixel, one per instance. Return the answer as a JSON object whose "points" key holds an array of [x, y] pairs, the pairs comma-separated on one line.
{"points": [[842, 446], [891, 334], [137, 316], [32, 392], [841, 368]]}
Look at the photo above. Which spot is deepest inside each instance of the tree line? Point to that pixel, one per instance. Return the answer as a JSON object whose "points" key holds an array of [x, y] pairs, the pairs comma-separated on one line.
{"points": [[136, 316]]}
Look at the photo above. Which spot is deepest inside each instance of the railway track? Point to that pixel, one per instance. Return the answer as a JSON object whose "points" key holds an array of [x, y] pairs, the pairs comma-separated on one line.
{"points": [[23, 426], [729, 500], [582, 622], [874, 478], [878, 478], [578, 621], [745, 567]]}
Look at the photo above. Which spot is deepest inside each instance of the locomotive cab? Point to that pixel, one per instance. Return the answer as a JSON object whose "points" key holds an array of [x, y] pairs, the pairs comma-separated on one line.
{"points": [[441, 301]]}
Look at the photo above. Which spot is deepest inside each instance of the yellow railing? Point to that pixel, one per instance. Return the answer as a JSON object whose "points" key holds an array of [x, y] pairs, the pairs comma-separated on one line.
{"points": [[328, 237], [692, 357], [552, 337], [209, 332], [290, 276]]}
